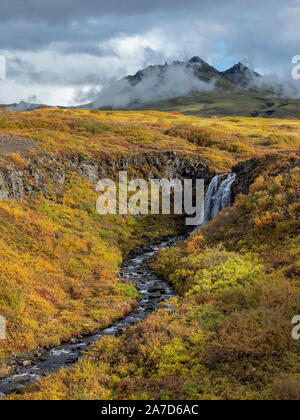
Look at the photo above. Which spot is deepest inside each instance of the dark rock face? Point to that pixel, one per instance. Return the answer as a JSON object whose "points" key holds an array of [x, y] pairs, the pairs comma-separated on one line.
{"points": [[247, 172], [240, 74], [15, 183], [44, 170], [153, 165], [201, 65], [196, 64], [295, 165]]}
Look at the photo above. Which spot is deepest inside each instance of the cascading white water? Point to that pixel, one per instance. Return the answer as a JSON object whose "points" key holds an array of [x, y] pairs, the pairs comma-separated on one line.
{"points": [[218, 196]]}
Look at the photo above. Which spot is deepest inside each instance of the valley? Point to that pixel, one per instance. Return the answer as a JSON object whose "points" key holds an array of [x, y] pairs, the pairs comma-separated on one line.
{"points": [[60, 260]]}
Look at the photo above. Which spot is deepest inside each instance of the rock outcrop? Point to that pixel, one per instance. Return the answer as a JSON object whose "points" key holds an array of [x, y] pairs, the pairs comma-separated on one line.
{"points": [[247, 172], [43, 171]]}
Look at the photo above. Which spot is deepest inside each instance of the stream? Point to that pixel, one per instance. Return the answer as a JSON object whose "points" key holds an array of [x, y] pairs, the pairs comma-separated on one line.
{"points": [[152, 291], [151, 288]]}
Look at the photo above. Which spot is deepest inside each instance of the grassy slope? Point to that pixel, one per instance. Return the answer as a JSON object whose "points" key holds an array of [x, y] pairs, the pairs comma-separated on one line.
{"points": [[229, 334], [58, 266], [225, 103], [241, 275], [59, 257], [223, 142]]}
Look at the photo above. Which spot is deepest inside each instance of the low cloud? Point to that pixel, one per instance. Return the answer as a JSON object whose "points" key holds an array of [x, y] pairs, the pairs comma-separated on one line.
{"points": [[278, 86], [163, 83]]}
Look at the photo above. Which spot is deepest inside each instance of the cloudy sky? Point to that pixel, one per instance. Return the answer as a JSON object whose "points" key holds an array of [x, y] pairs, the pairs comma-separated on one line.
{"points": [[63, 51]]}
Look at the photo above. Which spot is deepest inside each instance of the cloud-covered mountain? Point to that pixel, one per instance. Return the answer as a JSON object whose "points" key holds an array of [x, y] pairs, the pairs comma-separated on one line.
{"points": [[197, 88], [180, 78]]}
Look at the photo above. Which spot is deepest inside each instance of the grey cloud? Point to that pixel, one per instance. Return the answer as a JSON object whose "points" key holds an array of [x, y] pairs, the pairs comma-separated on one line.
{"points": [[262, 34], [68, 10], [24, 71]]}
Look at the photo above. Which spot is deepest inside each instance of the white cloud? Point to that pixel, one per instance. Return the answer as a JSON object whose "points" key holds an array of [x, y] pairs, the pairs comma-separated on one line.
{"points": [[13, 92]]}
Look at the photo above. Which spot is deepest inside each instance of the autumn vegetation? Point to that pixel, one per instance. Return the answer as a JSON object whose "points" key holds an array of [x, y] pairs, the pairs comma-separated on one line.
{"points": [[227, 335], [223, 142]]}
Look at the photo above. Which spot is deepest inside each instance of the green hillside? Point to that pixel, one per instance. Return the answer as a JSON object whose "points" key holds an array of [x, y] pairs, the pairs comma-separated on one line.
{"points": [[247, 103]]}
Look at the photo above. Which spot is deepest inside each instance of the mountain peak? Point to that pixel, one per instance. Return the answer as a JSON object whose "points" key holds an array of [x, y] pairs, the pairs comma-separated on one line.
{"points": [[196, 59], [200, 65], [195, 64], [239, 68], [239, 73]]}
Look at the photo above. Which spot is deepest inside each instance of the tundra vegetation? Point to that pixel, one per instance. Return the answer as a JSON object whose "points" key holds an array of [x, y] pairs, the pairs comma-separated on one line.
{"points": [[228, 335]]}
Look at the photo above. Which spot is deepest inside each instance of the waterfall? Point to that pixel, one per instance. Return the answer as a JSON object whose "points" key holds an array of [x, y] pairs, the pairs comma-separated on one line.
{"points": [[218, 196]]}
